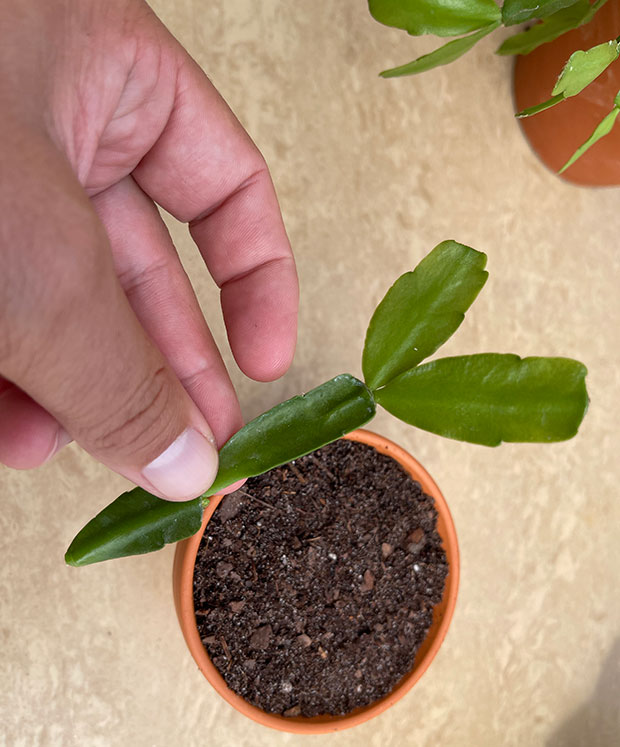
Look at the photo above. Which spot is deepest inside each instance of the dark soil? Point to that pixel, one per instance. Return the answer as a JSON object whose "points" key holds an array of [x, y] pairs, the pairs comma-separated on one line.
{"points": [[315, 583]]}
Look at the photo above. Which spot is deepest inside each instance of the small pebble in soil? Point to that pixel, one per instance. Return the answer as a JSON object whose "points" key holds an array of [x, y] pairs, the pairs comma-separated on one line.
{"points": [[386, 549], [315, 586]]}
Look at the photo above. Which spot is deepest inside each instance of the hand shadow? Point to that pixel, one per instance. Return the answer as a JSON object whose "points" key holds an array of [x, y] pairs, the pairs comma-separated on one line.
{"points": [[597, 722]]}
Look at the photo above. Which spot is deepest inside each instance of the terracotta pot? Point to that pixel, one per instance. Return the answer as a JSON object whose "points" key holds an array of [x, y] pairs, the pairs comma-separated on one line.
{"points": [[556, 133], [183, 574]]}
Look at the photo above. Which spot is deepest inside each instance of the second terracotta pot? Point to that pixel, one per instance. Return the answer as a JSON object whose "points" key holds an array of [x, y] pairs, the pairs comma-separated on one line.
{"points": [[555, 134], [183, 576]]}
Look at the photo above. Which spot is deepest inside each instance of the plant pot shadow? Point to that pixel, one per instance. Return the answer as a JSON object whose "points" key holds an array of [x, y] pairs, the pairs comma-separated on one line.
{"points": [[597, 722]]}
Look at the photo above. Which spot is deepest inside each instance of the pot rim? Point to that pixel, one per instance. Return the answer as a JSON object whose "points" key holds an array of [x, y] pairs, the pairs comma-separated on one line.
{"points": [[183, 574]]}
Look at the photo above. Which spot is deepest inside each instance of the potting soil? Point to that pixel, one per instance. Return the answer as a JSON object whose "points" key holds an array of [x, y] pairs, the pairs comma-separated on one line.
{"points": [[315, 583]]}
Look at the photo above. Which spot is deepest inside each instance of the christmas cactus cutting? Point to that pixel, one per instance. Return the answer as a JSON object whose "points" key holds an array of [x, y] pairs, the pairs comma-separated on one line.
{"points": [[485, 398]]}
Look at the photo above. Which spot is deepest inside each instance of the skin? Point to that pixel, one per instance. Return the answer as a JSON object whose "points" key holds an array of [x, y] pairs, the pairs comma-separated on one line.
{"points": [[103, 115]]}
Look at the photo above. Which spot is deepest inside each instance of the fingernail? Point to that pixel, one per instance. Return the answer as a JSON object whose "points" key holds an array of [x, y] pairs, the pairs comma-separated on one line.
{"points": [[62, 439], [185, 469]]}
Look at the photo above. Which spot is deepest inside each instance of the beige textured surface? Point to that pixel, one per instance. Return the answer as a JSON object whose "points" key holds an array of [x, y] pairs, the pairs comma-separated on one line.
{"points": [[371, 174]]}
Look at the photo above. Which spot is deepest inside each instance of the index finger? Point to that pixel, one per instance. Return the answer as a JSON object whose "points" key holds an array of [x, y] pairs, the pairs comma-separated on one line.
{"points": [[205, 170]]}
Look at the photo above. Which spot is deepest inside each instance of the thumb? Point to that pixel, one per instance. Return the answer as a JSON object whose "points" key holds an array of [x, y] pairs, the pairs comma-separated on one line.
{"points": [[75, 346]]}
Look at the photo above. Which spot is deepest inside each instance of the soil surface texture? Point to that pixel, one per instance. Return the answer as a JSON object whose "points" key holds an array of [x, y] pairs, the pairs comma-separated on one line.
{"points": [[315, 583]]}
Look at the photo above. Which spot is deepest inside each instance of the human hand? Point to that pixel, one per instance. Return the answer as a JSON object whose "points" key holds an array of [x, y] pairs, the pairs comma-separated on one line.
{"points": [[102, 115]]}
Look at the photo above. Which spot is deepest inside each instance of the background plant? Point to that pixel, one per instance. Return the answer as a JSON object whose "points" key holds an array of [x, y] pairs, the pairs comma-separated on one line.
{"points": [[485, 399], [469, 21]]}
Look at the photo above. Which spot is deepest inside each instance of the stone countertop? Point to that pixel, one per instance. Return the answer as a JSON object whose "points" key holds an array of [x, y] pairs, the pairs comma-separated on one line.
{"points": [[371, 174]]}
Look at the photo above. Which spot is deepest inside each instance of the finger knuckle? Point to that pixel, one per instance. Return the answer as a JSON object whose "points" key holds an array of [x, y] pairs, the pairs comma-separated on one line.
{"points": [[138, 424]]}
